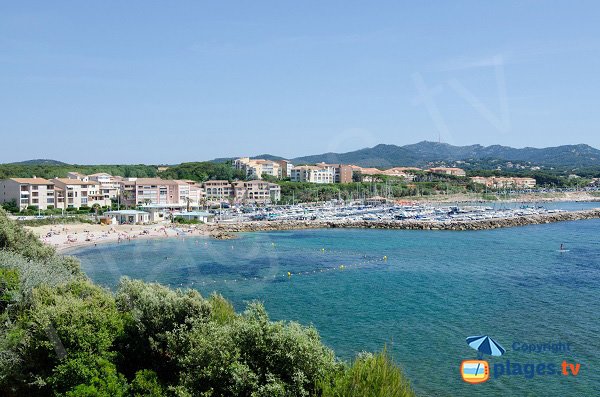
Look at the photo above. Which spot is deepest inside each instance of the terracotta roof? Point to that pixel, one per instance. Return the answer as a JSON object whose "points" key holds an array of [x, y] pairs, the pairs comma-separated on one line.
{"points": [[68, 181], [32, 181]]}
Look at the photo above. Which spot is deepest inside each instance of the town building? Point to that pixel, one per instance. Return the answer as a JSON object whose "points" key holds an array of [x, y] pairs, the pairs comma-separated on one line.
{"points": [[256, 192], [256, 168], [497, 182], [127, 217], [144, 191], [109, 185], [28, 192], [218, 190], [448, 171], [285, 168], [200, 216], [341, 173], [313, 174], [76, 193]]}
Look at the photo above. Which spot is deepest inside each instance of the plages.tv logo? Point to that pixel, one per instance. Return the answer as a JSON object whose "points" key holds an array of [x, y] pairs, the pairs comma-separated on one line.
{"points": [[478, 371]]}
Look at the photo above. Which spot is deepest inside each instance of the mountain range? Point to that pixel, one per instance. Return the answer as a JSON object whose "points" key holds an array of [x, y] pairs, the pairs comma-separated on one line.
{"points": [[426, 153]]}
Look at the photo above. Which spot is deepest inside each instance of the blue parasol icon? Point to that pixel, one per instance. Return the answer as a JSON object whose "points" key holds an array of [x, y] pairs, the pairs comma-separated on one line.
{"points": [[485, 345]]}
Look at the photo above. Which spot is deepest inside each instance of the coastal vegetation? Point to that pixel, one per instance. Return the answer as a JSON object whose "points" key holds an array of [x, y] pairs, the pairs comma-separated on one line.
{"points": [[62, 335]]}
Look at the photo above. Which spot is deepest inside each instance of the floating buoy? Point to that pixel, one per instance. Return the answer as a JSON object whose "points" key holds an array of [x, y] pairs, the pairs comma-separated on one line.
{"points": [[342, 267], [289, 274], [322, 249], [385, 258]]}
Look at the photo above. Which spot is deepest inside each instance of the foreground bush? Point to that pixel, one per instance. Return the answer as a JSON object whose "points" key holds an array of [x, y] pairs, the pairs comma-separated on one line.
{"points": [[369, 376], [61, 335]]}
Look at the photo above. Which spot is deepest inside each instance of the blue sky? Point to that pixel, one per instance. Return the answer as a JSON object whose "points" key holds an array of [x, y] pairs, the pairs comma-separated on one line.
{"points": [[166, 82]]}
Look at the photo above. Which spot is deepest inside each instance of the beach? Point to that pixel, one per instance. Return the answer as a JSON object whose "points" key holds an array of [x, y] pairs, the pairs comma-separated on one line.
{"points": [[69, 236]]}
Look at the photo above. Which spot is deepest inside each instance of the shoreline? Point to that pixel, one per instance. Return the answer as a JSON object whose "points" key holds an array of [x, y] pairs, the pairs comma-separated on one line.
{"points": [[70, 238]]}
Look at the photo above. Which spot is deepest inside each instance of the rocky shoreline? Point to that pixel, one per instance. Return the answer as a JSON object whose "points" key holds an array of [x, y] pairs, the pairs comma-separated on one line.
{"points": [[224, 231]]}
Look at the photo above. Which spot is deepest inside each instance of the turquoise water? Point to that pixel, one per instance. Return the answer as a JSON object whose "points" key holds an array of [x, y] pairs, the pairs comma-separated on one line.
{"points": [[435, 289]]}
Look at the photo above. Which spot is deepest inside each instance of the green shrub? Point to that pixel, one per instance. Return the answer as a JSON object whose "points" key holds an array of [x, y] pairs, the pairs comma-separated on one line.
{"points": [[183, 221], [370, 375], [251, 355], [9, 287], [16, 239], [146, 384]]}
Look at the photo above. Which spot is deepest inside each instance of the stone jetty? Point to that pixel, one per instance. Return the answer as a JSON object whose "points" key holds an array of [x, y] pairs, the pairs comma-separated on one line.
{"points": [[223, 231]]}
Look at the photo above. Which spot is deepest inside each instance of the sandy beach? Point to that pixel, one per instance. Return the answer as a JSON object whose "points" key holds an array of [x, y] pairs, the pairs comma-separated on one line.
{"points": [[66, 237]]}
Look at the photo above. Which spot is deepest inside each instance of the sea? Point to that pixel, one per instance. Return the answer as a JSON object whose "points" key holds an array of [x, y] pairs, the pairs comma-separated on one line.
{"points": [[418, 294]]}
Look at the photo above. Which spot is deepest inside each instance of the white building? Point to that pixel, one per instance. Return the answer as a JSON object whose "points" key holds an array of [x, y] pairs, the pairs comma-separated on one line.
{"points": [[313, 174]]}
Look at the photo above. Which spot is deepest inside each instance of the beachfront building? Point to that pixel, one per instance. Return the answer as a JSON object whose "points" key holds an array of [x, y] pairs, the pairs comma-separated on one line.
{"points": [[76, 193], [144, 191], [256, 192], [28, 192], [256, 168], [127, 217], [109, 185], [313, 174], [200, 216], [448, 171], [218, 190], [497, 182]]}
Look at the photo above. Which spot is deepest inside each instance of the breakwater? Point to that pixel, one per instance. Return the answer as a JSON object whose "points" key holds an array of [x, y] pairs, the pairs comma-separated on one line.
{"points": [[223, 231]]}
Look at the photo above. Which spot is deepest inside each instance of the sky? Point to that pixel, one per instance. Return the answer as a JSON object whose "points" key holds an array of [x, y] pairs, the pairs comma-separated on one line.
{"points": [[166, 82]]}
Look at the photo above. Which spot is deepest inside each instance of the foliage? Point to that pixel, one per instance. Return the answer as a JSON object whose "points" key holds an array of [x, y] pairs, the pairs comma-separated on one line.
{"points": [[11, 206], [251, 356], [49, 171], [61, 335], [393, 188], [203, 171], [184, 221], [16, 239], [371, 375]]}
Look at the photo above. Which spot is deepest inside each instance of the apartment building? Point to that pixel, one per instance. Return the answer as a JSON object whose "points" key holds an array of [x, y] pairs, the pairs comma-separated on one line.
{"points": [[448, 171], [28, 192], [76, 193], [256, 168], [218, 190], [285, 168], [256, 192], [341, 173], [496, 182], [109, 185], [313, 174]]}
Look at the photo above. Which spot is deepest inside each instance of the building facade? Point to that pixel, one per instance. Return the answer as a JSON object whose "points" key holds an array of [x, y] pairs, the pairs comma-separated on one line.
{"points": [[497, 182], [448, 171], [256, 192], [75, 193], [28, 192], [312, 174], [256, 168]]}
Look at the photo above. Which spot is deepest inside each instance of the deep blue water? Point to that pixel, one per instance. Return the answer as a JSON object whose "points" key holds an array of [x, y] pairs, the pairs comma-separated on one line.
{"points": [[435, 289]]}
